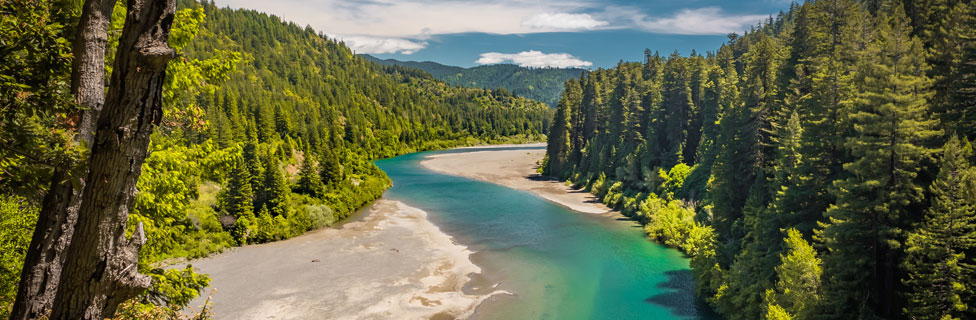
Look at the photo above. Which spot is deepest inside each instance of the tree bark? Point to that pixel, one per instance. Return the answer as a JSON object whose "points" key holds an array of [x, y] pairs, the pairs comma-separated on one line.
{"points": [[59, 210], [101, 267]]}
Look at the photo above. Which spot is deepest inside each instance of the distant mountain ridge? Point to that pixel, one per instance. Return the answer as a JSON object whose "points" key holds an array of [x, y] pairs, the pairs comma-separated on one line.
{"points": [[542, 84]]}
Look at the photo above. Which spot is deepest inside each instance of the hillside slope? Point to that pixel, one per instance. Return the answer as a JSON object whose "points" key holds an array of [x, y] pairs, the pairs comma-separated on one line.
{"points": [[545, 84], [269, 130]]}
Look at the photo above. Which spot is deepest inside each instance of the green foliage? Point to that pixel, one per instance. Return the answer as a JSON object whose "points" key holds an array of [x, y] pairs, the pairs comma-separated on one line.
{"points": [[309, 180], [940, 275], [542, 84], [17, 219], [775, 312], [176, 287], [36, 119], [559, 135], [671, 223], [674, 180], [244, 94], [821, 121], [893, 125], [237, 199], [797, 289]]}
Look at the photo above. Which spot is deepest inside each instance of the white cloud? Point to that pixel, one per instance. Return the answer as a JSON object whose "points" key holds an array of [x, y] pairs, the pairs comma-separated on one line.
{"points": [[562, 21], [380, 45], [698, 21], [404, 26], [534, 59], [412, 18]]}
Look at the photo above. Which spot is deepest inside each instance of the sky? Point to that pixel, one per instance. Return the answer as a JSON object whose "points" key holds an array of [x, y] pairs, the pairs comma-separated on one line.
{"points": [[532, 33]]}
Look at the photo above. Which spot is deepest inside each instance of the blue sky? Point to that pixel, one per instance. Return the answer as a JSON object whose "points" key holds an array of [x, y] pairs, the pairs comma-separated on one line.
{"points": [[578, 33]]}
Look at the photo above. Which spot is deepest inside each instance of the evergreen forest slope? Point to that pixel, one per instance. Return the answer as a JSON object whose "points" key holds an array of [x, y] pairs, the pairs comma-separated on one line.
{"points": [[819, 166], [543, 84]]}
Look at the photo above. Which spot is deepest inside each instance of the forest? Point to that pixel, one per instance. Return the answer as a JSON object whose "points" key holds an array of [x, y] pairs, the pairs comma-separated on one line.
{"points": [[818, 166], [268, 130], [542, 84]]}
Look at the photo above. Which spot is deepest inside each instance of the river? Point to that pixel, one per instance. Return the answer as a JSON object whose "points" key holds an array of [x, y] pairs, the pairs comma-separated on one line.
{"points": [[557, 263]]}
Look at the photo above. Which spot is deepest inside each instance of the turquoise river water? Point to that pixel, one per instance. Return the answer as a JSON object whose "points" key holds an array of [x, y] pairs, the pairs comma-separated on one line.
{"points": [[558, 263]]}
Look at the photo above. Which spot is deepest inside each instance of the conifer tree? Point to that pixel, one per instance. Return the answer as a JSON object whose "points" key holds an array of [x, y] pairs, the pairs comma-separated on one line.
{"points": [[950, 36], [678, 111], [558, 146], [787, 175], [238, 195], [254, 165], [797, 289], [275, 189], [576, 141], [331, 171], [652, 104], [309, 181], [612, 137], [761, 97], [633, 129], [827, 43], [893, 126], [940, 276], [732, 168], [591, 105]]}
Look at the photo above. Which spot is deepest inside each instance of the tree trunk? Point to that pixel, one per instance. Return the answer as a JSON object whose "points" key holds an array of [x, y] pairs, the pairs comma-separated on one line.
{"points": [[59, 210], [101, 267]]}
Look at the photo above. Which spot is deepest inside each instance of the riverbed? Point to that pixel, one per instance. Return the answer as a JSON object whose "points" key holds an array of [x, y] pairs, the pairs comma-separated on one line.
{"points": [[444, 246]]}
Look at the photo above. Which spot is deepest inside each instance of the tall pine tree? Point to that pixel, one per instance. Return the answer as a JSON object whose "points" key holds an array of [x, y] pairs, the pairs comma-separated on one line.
{"points": [[893, 125], [940, 277]]}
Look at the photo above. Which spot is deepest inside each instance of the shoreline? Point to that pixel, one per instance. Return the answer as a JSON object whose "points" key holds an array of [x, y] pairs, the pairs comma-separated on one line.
{"points": [[514, 169], [393, 262]]}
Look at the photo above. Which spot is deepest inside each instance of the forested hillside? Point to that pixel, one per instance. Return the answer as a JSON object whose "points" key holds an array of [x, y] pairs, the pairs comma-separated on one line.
{"points": [[268, 131], [819, 166], [435, 69], [543, 84]]}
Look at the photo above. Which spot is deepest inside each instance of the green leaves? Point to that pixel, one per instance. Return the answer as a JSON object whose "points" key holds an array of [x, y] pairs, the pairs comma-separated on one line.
{"points": [[186, 25], [17, 219], [35, 105]]}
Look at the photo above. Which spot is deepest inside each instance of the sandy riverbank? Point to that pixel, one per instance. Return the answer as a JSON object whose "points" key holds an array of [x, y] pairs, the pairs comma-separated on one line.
{"points": [[514, 169], [393, 263]]}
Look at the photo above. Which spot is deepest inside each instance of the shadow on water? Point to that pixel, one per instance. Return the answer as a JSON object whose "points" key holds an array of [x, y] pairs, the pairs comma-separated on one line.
{"points": [[680, 297]]}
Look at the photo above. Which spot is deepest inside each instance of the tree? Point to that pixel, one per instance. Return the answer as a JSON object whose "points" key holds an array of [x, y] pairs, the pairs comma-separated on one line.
{"points": [[678, 109], [952, 54], [732, 171], [56, 220], [827, 45], [237, 198], [797, 289], [788, 175], [275, 192], [559, 139], [100, 269], [939, 274], [893, 126], [253, 164], [331, 169], [309, 181]]}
